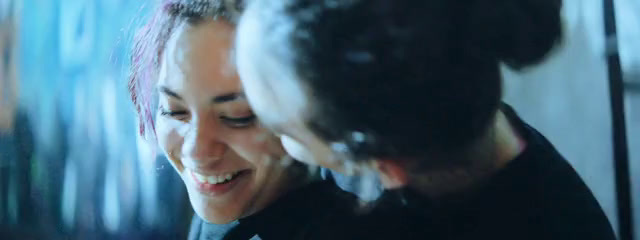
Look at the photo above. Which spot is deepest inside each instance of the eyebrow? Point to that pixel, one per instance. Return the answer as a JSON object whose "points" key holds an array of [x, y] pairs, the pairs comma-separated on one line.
{"points": [[227, 98], [167, 91]]}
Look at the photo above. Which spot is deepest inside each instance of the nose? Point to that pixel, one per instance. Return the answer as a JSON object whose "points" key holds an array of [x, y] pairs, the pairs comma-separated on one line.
{"points": [[202, 146]]}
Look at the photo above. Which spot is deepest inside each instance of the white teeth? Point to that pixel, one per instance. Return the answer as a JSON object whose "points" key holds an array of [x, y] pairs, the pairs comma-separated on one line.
{"points": [[200, 177], [215, 179], [212, 179]]}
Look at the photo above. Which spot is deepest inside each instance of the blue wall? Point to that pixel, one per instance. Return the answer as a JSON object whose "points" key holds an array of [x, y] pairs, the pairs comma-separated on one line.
{"points": [[88, 179]]}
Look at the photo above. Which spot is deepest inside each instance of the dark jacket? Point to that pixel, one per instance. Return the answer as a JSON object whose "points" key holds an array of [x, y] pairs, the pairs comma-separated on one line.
{"points": [[538, 195], [304, 213]]}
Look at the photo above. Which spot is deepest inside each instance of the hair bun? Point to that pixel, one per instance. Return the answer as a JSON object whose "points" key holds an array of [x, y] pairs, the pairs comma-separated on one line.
{"points": [[519, 33]]}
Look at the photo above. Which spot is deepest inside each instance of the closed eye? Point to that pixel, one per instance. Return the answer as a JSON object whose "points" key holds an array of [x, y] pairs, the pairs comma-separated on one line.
{"points": [[241, 122], [173, 114], [179, 115]]}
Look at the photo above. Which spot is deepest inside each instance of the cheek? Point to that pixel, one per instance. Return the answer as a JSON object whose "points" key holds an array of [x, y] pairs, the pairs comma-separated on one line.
{"points": [[255, 145], [169, 137]]}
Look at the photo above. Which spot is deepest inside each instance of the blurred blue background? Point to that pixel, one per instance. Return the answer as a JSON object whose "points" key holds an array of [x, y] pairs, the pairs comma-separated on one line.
{"points": [[72, 166]]}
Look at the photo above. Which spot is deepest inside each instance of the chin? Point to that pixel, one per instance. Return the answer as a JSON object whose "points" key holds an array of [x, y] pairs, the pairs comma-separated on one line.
{"points": [[214, 216], [207, 211], [217, 220]]}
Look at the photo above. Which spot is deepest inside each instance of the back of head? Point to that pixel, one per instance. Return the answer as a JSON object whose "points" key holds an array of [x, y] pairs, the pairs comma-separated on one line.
{"points": [[413, 76]]}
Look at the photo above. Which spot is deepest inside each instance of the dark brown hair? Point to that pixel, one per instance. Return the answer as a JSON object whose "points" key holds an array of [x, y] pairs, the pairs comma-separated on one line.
{"points": [[407, 78], [150, 42]]}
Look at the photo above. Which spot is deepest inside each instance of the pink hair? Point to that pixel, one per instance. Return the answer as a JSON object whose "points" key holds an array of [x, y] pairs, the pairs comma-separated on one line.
{"points": [[149, 42]]}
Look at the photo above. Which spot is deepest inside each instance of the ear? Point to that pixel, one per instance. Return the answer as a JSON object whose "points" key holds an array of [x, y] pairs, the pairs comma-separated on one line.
{"points": [[392, 174]]}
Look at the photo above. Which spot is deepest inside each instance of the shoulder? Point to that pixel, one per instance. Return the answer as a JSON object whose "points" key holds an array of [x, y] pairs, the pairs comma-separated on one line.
{"points": [[552, 192], [327, 209], [383, 218]]}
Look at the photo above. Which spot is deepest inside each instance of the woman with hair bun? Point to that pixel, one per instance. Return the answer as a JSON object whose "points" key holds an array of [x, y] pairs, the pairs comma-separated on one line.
{"points": [[411, 91]]}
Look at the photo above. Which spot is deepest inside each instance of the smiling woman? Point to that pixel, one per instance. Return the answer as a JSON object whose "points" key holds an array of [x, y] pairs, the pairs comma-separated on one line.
{"points": [[190, 100], [215, 145]]}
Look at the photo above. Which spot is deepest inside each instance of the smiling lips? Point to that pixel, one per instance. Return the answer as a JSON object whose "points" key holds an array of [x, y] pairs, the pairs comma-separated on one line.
{"points": [[215, 184], [215, 179]]}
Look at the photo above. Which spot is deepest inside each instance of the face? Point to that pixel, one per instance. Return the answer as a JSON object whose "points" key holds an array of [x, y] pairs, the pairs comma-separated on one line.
{"points": [[206, 128], [278, 98]]}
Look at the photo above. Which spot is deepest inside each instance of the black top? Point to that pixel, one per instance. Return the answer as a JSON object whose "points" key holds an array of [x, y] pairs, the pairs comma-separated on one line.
{"points": [[538, 195], [304, 213]]}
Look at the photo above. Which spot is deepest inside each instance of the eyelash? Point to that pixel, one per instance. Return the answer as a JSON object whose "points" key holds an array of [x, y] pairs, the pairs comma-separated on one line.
{"points": [[174, 114], [243, 122]]}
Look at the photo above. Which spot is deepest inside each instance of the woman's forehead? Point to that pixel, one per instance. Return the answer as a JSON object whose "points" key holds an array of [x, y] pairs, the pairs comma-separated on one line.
{"points": [[197, 57]]}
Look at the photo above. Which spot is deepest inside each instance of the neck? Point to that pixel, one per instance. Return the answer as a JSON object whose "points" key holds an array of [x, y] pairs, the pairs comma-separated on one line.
{"points": [[297, 176], [500, 145]]}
